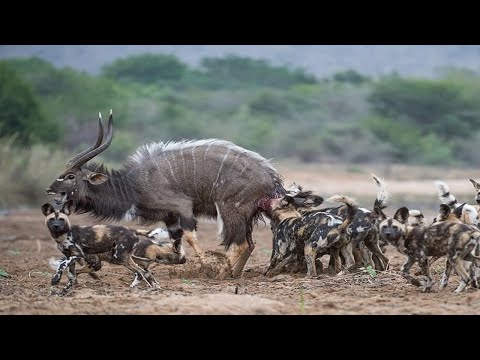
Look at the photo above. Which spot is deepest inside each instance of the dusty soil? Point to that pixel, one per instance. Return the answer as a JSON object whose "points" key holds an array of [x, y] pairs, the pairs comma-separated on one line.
{"points": [[25, 248]]}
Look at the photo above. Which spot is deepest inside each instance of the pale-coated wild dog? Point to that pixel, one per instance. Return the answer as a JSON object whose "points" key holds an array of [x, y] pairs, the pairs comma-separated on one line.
{"points": [[454, 240], [469, 213], [90, 245]]}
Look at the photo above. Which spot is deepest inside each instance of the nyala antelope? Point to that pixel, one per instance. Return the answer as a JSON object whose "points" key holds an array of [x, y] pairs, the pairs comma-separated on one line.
{"points": [[90, 245]]}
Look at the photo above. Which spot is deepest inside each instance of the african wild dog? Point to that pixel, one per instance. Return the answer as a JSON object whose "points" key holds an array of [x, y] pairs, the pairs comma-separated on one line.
{"points": [[292, 229], [455, 240], [361, 234], [90, 245], [333, 238], [476, 186], [416, 218], [469, 213]]}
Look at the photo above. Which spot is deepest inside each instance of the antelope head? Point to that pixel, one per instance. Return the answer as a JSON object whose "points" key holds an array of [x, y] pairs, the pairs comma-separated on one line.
{"points": [[72, 182]]}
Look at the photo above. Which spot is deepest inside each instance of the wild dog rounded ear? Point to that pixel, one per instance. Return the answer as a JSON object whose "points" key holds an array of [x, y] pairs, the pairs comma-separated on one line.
{"points": [[287, 200], [402, 215], [314, 200], [378, 214], [476, 185], [443, 213], [459, 210], [47, 209]]}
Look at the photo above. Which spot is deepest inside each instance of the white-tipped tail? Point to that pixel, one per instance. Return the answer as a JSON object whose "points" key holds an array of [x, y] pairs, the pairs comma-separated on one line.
{"points": [[382, 193], [415, 213], [100, 115], [54, 263], [111, 112], [444, 194]]}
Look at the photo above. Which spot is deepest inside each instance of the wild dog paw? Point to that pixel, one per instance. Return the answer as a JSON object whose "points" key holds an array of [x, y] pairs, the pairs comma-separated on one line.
{"points": [[56, 279]]}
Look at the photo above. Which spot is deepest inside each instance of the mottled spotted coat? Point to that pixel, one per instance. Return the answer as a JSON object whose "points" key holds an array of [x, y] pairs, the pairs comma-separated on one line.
{"points": [[442, 238], [89, 245]]}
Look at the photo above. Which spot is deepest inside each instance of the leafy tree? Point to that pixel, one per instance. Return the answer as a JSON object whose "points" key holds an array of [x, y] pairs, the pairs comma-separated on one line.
{"points": [[410, 145], [430, 106], [146, 69], [350, 76], [21, 113], [237, 71]]}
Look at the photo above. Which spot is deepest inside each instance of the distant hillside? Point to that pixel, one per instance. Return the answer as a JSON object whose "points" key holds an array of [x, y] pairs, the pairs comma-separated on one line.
{"points": [[320, 60]]}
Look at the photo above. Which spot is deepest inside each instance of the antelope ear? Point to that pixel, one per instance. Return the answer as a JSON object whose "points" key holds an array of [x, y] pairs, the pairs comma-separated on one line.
{"points": [[93, 177], [47, 209]]}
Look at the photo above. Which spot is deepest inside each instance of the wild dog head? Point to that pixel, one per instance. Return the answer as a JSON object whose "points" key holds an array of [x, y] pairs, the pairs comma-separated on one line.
{"points": [[476, 185], [392, 229], [304, 200], [56, 218], [416, 218]]}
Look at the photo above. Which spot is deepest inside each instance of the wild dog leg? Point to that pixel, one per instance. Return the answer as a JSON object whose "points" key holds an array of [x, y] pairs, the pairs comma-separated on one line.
{"points": [[346, 251], [377, 255], [277, 268], [405, 271], [137, 270], [446, 274], [430, 262], [72, 276], [335, 254], [460, 270], [310, 251], [92, 264], [427, 283], [61, 268], [475, 264]]}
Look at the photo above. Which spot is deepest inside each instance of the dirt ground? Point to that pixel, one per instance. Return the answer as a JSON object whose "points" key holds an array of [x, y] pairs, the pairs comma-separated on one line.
{"points": [[25, 248]]}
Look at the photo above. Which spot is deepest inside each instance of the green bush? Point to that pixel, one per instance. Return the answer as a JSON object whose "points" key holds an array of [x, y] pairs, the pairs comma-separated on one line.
{"points": [[21, 113]]}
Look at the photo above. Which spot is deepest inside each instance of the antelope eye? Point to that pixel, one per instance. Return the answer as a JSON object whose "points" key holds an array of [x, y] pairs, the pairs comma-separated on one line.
{"points": [[71, 177]]}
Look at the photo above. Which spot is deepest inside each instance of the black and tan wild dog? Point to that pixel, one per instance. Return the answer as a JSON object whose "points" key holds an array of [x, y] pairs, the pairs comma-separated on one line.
{"points": [[362, 235], [90, 245], [454, 240], [292, 230]]}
